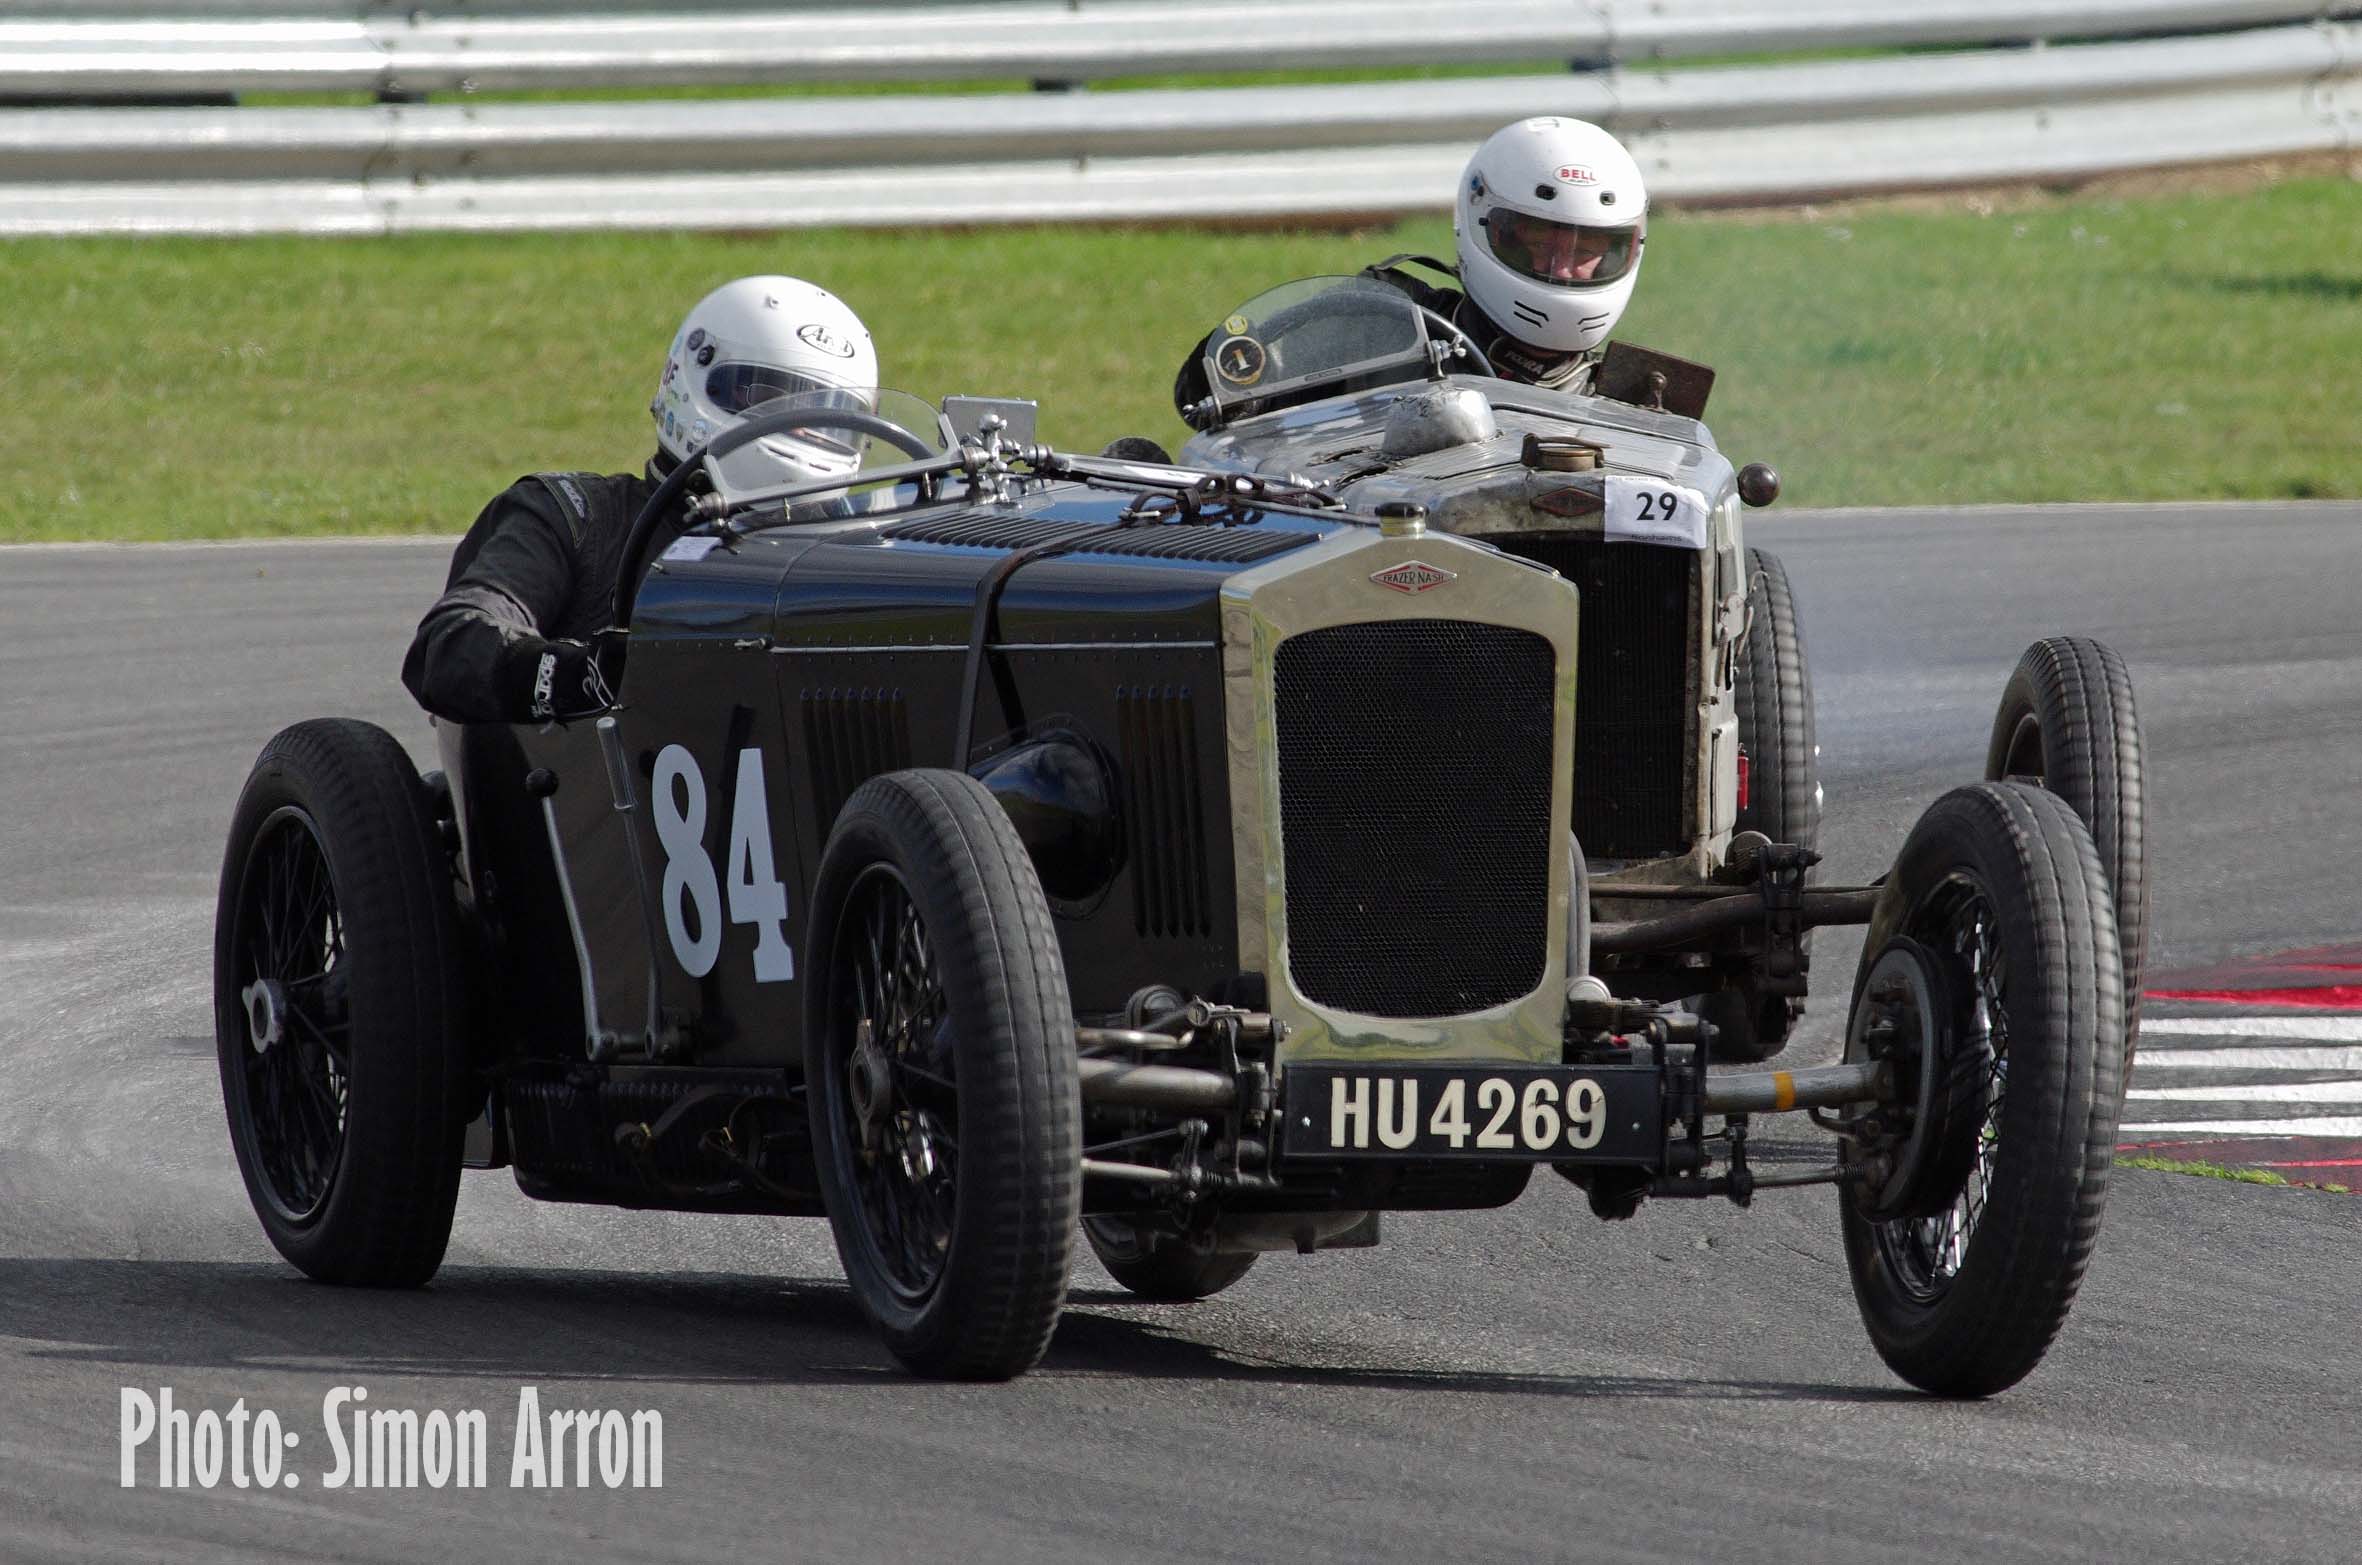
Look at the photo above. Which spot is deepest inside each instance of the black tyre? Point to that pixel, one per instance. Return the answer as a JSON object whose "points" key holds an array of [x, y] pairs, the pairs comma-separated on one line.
{"points": [[339, 1012], [1775, 711], [2001, 884], [2067, 720], [1775, 708], [940, 1062], [1157, 1263]]}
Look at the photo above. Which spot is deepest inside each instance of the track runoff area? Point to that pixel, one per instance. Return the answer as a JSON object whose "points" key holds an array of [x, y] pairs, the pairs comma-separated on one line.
{"points": [[2254, 1064]]}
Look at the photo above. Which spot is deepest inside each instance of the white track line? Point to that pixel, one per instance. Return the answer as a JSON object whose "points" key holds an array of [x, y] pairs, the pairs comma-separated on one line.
{"points": [[2256, 1092], [2325, 1029], [2254, 1057], [2329, 1126]]}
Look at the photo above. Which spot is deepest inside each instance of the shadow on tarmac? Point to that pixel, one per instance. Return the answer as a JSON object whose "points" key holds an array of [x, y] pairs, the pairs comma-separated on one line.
{"points": [[703, 1328]]}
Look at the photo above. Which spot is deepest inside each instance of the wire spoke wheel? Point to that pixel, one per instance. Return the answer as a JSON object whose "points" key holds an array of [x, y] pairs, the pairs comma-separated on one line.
{"points": [[899, 1074], [940, 1072], [1927, 1253], [339, 1017], [297, 1048], [1969, 1235]]}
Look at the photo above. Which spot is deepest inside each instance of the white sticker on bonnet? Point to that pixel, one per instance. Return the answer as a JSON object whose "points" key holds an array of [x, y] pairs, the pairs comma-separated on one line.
{"points": [[1650, 510], [691, 548]]}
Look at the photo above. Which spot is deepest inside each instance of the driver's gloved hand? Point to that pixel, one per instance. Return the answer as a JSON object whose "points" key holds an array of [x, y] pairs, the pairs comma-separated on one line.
{"points": [[1137, 448], [540, 680]]}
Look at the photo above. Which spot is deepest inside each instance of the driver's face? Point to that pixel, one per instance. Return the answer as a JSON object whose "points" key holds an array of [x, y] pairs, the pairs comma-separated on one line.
{"points": [[1553, 252], [1576, 261]]}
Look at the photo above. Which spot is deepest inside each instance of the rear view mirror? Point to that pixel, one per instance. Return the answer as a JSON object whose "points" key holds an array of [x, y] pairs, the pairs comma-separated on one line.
{"points": [[1018, 417]]}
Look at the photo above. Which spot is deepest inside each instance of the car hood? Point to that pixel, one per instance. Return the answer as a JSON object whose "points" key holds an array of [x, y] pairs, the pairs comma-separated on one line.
{"points": [[1337, 441]]}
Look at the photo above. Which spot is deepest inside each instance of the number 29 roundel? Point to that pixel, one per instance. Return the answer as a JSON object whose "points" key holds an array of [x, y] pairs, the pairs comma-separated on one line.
{"points": [[1653, 510], [693, 892]]}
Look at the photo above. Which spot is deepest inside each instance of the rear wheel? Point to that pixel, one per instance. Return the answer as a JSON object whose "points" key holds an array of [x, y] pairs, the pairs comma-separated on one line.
{"points": [[338, 1009], [1964, 1280], [1158, 1263], [939, 1059], [2067, 721]]}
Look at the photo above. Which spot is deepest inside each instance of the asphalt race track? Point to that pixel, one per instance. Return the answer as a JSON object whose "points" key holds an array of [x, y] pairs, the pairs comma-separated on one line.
{"points": [[1519, 1385]]}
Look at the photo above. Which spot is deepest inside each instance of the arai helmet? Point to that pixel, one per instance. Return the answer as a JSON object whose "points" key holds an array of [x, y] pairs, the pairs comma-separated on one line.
{"points": [[757, 339]]}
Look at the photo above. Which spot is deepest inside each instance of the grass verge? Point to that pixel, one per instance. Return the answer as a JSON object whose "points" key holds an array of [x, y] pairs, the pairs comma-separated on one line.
{"points": [[2236, 1176], [2200, 345]]}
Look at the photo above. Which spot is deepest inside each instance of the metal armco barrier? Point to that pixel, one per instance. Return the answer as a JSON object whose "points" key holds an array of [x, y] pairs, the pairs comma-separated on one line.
{"points": [[1704, 134], [430, 48]]}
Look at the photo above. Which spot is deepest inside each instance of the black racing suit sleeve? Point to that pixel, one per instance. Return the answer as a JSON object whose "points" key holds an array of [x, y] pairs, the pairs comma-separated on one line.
{"points": [[1190, 386], [1511, 359], [1428, 296], [477, 652]]}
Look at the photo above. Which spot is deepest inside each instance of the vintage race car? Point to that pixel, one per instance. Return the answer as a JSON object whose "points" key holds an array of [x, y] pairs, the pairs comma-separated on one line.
{"points": [[1409, 787]]}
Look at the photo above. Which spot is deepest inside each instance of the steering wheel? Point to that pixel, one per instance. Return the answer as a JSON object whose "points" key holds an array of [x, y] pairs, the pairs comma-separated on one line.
{"points": [[853, 419], [1462, 342], [633, 567]]}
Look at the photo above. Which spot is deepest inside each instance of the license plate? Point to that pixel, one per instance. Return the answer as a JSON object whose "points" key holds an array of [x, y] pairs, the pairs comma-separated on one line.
{"points": [[1501, 1113]]}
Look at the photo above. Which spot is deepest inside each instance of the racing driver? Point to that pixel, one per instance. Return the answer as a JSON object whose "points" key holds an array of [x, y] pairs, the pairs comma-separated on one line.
{"points": [[530, 584], [1550, 223]]}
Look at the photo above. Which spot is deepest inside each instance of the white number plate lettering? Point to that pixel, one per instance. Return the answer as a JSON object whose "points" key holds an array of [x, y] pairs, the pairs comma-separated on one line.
{"points": [[1526, 1113]]}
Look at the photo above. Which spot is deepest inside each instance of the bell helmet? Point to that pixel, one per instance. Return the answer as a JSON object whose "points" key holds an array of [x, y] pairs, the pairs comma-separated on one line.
{"points": [[757, 339], [1551, 221]]}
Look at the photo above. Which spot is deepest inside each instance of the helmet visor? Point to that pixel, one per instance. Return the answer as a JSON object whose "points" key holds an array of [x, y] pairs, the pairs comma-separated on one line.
{"points": [[733, 388], [1567, 255]]}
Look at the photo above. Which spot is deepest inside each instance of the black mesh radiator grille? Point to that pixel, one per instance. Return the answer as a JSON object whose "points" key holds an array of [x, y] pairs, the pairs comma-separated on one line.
{"points": [[1634, 706], [1414, 770], [1164, 810]]}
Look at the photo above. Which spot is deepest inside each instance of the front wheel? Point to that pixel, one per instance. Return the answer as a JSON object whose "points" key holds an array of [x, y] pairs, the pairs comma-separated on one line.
{"points": [[338, 1007], [939, 1060], [1968, 1241]]}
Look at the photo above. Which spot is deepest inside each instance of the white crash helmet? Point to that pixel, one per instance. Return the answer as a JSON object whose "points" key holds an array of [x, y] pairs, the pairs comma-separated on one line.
{"points": [[756, 339], [1551, 222]]}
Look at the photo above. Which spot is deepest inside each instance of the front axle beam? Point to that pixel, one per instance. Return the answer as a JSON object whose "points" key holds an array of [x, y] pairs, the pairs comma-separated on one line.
{"points": [[1775, 1092]]}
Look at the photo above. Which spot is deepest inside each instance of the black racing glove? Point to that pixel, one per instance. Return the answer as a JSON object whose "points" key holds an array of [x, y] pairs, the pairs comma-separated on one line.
{"points": [[541, 680], [1137, 448]]}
